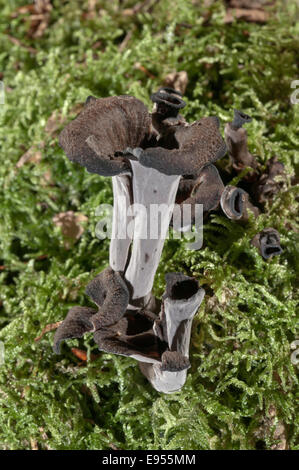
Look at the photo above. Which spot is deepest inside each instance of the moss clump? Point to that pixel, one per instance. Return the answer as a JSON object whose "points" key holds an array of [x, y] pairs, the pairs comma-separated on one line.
{"points": [[242, 384]]}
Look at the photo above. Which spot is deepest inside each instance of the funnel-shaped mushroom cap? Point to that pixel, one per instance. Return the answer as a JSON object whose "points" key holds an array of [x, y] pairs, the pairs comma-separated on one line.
{"points": [[206, 189], [232, 202], [75, 325], [240, 118], [267, 242], [168, 101], [197, 144], [104, 127]]}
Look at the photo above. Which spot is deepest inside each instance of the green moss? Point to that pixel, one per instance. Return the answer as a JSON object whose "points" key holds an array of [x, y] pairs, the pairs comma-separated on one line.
{"points": [[240, 352]]}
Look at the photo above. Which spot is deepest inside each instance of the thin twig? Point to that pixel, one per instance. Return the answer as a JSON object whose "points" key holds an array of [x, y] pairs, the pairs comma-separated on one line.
{"points": [[82, 355], [126, 39], [143, 6], [50, 327], [139, 66], [17, 42]]}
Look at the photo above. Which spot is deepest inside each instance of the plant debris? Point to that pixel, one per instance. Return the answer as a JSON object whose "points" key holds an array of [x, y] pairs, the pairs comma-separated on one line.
{"points": [[177, 80], [71, 226], [33, 155], [38, 14], [252, 11], [47, 329]]}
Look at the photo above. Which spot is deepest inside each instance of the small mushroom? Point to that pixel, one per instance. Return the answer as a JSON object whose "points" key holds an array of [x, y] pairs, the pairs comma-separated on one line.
{"points": [[235, 204], [146, 156], [205, 189], [267, 242], [165, 114], [160, 344], [197, 145], [180, 303], [75, 325], [110, 293], [103, 129], [268, 186], [236, 141]]}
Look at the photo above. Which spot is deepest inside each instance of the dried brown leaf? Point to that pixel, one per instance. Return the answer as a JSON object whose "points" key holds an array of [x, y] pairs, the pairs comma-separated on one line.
{"points": [[31, 156], [47, 328], [70, 224], [54, 122], [250, 15], [38, 15], [82, 355], [46, 179], [139, 7], [250, 4], [177, 80], [139, 66], [41, 18]]}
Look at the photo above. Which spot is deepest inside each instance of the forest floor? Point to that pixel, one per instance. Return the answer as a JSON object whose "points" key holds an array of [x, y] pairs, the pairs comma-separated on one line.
{"points": [[242, 384]]}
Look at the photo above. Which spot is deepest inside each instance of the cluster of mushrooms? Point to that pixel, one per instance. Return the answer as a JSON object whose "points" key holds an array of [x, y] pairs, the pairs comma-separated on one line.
{"points": [[153, 158]]}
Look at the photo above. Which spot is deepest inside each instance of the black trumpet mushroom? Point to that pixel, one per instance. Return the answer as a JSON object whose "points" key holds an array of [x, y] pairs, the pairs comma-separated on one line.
{"points": [[146, 154], [267, 242], [205, 189], [268, 185], [235, 204], [236, 141]]}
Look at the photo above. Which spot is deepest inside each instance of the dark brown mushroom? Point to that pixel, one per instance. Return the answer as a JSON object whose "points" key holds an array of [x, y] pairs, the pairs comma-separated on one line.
{"points": [[146, 155], [206, 189], [110, 293], [268, 186], [75, 325], [169, 102], [180, 303], [166, 115], [103, 129], [160, 344], [236, 141], [197, 145], [267, 242], [235, 204], [132, 336]]}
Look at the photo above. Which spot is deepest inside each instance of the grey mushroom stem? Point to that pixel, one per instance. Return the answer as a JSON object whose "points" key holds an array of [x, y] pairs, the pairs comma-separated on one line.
{"points": [[155, 193], [176, 316], [120, 239]]}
